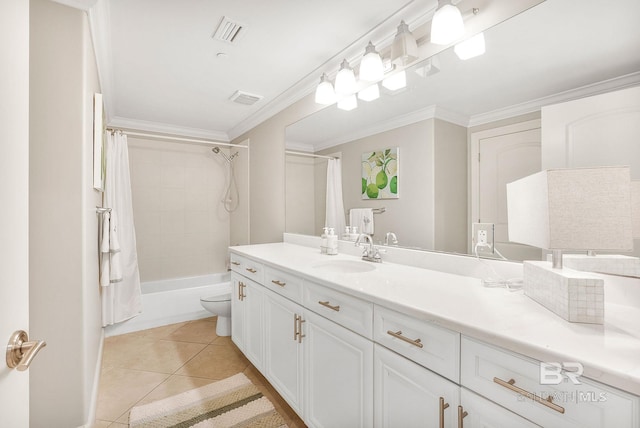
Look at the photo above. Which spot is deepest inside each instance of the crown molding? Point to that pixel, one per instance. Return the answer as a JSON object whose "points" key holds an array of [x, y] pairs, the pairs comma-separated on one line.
{"points": [[298, 146], [415, 13], [162, 128], [617, 83]]}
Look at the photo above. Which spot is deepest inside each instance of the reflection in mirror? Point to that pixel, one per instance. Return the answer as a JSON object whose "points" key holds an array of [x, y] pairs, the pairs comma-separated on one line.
{"points": [[537, 58]]}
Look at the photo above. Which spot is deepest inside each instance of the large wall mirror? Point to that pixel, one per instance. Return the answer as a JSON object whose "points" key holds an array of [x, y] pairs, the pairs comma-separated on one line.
{"points": [[553, 52]]}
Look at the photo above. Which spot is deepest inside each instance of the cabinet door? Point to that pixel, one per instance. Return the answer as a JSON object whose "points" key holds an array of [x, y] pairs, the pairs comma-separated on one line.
{"points": [[283, 352], [338, 375], [237, 310], [482, 413], [409, 395], [253, 333]]}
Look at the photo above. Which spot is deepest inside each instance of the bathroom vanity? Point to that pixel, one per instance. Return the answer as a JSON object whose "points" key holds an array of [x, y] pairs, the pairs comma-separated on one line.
{"points": [[349, 343]]}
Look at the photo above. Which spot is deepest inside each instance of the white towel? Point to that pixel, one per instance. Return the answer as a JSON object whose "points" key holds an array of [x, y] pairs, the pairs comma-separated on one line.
{"points": [[110, 264], [362, 218]]}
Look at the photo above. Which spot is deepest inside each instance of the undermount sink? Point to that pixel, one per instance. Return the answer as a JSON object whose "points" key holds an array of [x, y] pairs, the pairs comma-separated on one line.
{"points": [[345, 266]]}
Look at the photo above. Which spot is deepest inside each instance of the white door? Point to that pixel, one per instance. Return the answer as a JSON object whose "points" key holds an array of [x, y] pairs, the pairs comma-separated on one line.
{"points": [[14, 203], [408, 395], [503, 155], [283, 351], [338, 375]]}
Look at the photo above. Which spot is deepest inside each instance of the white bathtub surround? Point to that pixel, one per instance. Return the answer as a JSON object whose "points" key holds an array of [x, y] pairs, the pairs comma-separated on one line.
{"points": [[121, 297], [171, 301], [496, 316]]}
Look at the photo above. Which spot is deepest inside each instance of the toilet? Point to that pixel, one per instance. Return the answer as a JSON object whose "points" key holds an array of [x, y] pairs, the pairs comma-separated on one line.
{"points": [[219, 303]]}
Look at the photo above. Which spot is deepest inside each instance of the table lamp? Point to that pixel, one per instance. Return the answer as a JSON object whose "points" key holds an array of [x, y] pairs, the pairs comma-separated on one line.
{"points": [[584, 209]]}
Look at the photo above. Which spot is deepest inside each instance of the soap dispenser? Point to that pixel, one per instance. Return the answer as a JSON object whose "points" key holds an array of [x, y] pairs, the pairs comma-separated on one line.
{"points": [[323, 241], [332, 243]]}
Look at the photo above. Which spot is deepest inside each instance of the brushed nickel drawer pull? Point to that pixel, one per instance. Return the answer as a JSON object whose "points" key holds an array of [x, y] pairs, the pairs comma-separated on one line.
{"points": [[510, 384], [235, 263], [251, 270], [442, 406], [330, 306], [277, 282], [295, 327], [300, 335], [461, 415], [398, 335]]}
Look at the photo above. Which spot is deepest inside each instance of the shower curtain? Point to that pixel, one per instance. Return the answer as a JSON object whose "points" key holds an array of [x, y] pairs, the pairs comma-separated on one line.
{"points": [[121, 297], [335, 216]]}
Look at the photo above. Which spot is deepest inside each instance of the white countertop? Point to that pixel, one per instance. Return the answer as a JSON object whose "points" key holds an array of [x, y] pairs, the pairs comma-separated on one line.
{"points": [[610, 353]]}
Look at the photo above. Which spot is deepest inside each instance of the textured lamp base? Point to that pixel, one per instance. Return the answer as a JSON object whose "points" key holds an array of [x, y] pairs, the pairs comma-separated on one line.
{"points": [[612, 264], [573, 295]]}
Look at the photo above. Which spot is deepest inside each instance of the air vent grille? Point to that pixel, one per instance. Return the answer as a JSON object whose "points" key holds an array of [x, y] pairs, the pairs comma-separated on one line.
{"points": [[245, 98], [229, 31]]}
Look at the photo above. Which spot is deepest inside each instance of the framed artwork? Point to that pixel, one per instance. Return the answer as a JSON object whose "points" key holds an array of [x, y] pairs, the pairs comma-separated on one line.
{"points": [[98, 142], [380, 174]]}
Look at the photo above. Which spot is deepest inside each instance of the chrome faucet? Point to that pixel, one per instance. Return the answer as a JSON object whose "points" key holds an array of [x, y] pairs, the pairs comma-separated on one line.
{"points": [[392, 236], [371, 253]]}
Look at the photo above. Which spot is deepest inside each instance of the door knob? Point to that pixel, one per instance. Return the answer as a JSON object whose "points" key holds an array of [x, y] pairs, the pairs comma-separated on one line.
{"points": [[20, 351]]}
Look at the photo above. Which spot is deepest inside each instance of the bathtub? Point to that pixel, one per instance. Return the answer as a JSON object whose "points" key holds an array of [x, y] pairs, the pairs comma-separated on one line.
{"points": [[171, 301]]}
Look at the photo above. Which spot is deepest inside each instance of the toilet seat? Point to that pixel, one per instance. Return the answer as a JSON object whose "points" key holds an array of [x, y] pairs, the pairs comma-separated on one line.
{"points": [[220, 296]]}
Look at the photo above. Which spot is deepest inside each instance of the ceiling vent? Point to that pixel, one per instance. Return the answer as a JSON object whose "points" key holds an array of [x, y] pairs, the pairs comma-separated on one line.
{"points": [[229, 31], [245, 98]]}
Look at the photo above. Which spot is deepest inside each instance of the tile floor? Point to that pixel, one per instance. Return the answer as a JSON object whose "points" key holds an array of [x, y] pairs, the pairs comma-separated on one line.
{"points": [[152, 364]]}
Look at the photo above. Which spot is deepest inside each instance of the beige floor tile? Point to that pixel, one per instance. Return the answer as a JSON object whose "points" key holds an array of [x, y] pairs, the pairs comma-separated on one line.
{"points": [[163, 356], [121, 388], [215, 362], [175, 385], [101, 424], [159, 332], [199, 331]]}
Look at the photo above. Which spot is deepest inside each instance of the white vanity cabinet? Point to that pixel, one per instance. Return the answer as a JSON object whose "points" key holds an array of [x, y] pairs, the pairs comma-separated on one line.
{"points": [[246, 318], [408, 395], [478, 412], [283, 350]]}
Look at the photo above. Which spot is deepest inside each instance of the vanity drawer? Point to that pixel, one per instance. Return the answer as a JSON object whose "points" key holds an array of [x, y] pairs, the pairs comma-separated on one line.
{"points": [[515, 382], [431, 346], [348, 311], [247, 267], [283, 283]]}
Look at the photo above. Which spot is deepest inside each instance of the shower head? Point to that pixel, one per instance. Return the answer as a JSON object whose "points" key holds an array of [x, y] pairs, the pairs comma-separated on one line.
{"points": [[216, 150]]}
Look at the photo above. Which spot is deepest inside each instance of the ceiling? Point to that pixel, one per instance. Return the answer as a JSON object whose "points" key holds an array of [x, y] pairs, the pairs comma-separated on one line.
{"points": [[537, 58], [162, 71]]}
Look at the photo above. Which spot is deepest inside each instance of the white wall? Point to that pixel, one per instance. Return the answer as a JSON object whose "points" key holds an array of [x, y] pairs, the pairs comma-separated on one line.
{"points": [[64, 291], [182, 228]]}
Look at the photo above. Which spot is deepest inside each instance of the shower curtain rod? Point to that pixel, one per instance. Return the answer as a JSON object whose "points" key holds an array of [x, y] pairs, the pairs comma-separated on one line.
{"points": [[313, 155], [177, 139]]}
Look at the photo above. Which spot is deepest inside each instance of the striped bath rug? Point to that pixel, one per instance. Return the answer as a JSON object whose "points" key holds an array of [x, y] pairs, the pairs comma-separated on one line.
{"points": [[232, 402]]}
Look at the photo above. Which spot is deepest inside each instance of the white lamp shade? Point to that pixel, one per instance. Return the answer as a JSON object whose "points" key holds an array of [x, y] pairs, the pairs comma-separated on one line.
{"points": [[404, 49], [447, 25], [348, 103], [370, 93], [324, 91], [345, 80], [395, 81], [572, 209], [472, 47], [371, 68]]}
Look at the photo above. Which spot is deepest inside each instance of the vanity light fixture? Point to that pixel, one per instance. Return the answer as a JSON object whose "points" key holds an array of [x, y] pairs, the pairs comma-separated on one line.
{"points": [[348, 103], [472, 47], [404, 49], [345, 80], [395, 81], [371, 68], [447, 24], [370, 93], [325, 93]]}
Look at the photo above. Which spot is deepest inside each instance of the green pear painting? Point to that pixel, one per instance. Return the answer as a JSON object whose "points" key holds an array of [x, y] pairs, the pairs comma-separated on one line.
{"points": [[380, 174]]}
